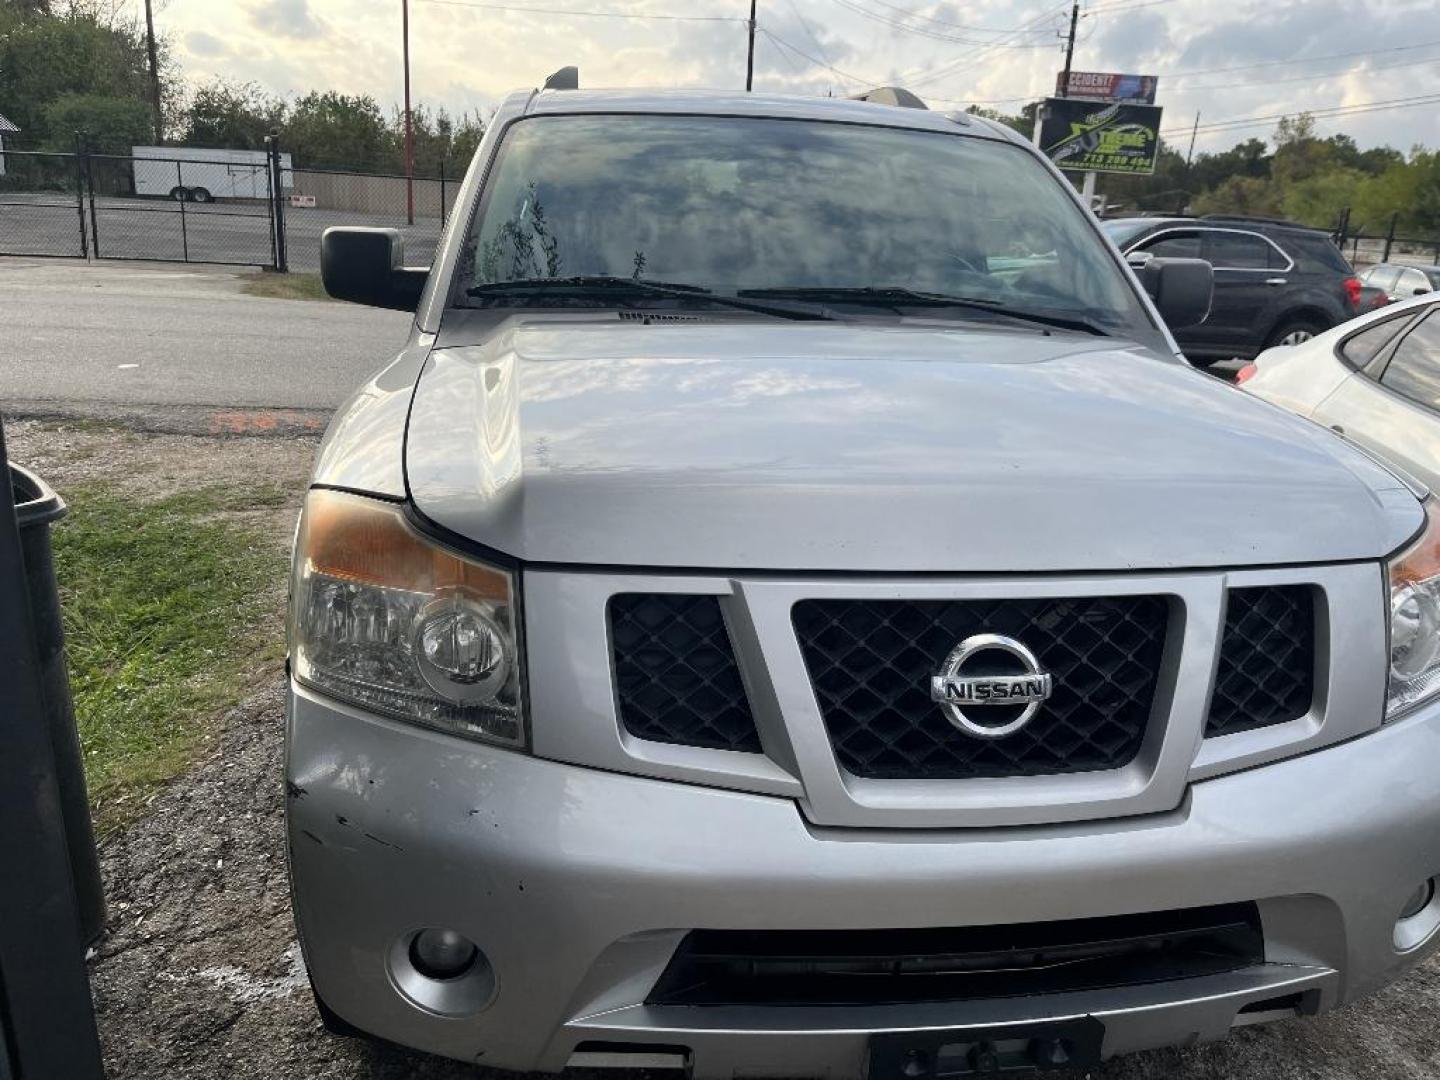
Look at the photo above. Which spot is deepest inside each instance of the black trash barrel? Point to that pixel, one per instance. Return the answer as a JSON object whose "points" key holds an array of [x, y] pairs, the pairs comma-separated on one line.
{"points": [[37, 506]]}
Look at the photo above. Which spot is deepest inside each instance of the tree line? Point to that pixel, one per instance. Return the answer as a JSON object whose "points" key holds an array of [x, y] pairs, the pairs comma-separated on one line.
{"points": [[1297, 175], [82, 67]]}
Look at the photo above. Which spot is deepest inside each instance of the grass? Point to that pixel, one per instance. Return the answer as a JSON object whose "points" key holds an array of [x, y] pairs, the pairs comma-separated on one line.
{"points": [[163, 602], [284, 286]]}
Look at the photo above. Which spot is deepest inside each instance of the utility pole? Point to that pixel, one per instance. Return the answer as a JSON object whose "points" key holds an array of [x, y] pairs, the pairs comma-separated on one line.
{"points": [[1087, 183], [409, 130], [154, 73], [1070, 48], [1193, 132], [750, 56]]}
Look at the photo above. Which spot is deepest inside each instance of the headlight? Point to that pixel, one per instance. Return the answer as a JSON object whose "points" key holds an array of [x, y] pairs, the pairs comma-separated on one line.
{"points": [[384, 618], [1415, 619]]}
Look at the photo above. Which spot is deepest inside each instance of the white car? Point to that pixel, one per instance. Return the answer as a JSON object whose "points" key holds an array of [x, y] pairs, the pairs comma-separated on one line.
{"points": [[1375, 380]]}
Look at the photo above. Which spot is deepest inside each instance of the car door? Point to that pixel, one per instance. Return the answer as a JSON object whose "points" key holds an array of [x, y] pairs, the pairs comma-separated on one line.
{"points": [[1392, 405], [1250, 280]]}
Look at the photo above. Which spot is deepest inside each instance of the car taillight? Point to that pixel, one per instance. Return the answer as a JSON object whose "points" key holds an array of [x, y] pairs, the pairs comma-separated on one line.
{"points": [[1244, 373], [1353, 289]]}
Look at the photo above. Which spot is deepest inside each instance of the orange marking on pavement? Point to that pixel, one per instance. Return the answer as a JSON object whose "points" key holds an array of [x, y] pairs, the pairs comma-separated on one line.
{"points": [[251, 421]]}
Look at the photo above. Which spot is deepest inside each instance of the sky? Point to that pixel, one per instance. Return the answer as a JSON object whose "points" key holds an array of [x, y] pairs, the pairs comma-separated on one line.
{"points": [[1230, 61]]}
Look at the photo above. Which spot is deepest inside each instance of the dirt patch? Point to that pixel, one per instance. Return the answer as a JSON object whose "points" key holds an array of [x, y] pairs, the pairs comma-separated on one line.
{"points": [[200, 974], [291, 286], [150, 466]]}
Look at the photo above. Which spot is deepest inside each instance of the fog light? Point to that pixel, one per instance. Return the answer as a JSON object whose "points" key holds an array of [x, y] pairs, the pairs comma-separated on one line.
{"points": [[442, 954], [1419, 900]]}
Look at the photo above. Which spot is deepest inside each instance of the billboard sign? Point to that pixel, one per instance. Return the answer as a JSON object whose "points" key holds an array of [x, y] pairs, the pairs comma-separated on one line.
{"points": [[1107, 86], [1089, 136]]}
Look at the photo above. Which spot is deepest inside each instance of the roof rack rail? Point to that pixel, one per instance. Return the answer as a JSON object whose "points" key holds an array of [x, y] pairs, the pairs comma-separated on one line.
{"points": [[567, 78], [1259, 219], [891, 95]]}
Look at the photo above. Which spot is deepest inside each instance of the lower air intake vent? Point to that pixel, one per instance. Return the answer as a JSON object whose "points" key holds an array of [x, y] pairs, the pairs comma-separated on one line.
{"points": [[676, 678], [873, 967], [1267, 659]]}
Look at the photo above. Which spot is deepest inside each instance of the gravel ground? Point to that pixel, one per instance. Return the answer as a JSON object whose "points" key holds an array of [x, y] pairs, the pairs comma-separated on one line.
{"points": [[199, 975]]}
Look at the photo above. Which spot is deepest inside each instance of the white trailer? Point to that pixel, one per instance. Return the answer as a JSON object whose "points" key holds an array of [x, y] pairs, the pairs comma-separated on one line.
{"points": [[186, 172]]}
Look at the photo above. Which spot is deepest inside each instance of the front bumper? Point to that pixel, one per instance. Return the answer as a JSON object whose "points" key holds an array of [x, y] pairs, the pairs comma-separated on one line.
{"points": [[578, 884]]}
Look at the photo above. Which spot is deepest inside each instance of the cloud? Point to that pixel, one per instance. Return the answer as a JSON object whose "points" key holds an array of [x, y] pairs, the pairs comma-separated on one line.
{"points": [[1126, 43], [471, 57], [199, 43], [286, 18]]}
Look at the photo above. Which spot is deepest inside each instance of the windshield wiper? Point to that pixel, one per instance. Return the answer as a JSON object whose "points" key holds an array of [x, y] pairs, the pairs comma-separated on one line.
{"points": [[898, 296], [583, 284]]}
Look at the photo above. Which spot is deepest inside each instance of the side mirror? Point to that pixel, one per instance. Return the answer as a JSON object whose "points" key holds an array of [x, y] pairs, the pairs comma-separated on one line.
{"points": [[366, 266], [1420, 290], [1181, 288]]}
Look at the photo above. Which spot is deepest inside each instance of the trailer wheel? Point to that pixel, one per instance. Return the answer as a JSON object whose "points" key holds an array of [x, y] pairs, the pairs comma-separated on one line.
{"points": [[179, 194], [199, 194]]}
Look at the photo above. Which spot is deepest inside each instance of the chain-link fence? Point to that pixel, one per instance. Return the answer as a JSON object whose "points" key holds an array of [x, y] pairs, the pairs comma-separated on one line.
{"points": [[319, 198], [42, 206], [162, 209], [241, 208]]}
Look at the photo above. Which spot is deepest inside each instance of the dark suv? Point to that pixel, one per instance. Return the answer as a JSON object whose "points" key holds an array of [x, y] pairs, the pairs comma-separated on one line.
{"points": [[1276, 283]]}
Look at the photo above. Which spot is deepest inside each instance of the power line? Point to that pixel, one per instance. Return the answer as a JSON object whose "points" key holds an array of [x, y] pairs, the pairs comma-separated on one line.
{"points": [[919, 77], [907, 13], [586, 14], [1115, 9], [790, 63], [1318, 114], [1323, 75], [935, 35], [808, 33], [818, 63], [1177, 76], [1298, 60]]}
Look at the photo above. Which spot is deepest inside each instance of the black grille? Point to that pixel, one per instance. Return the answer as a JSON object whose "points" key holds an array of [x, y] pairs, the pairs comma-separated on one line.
{"points": [[871, 663], [867, 967], [675, 672], [1267, 659]]}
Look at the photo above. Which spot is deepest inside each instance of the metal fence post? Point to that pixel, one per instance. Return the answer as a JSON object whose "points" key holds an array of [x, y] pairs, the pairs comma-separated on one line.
{"points": [[272, 144], [184, 233], [80, 196], [270, 209], [45, 1006], [90, 190], [1390, 236]]}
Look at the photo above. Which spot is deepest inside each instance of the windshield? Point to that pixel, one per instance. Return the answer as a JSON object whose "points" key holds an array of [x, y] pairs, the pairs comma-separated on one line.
{"points": [[744, 205]]}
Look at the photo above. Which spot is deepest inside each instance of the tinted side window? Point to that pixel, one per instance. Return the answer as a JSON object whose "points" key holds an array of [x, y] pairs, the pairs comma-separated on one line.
{"points": [[1359, 349], [1382, 277], [1414, 370], [1315, 253], [1174, 246], [1237, 251]]}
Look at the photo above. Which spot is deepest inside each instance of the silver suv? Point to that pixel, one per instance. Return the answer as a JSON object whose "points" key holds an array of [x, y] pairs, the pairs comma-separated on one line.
{"points": [[790, 611]]}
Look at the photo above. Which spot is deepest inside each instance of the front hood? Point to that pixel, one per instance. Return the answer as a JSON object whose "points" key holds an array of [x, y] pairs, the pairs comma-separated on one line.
{"points": [[796, 446]]}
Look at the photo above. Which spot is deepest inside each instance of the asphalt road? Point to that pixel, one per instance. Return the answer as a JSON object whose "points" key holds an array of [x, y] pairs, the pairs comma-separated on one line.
{"points": [[103, 337], [230, 232]]}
